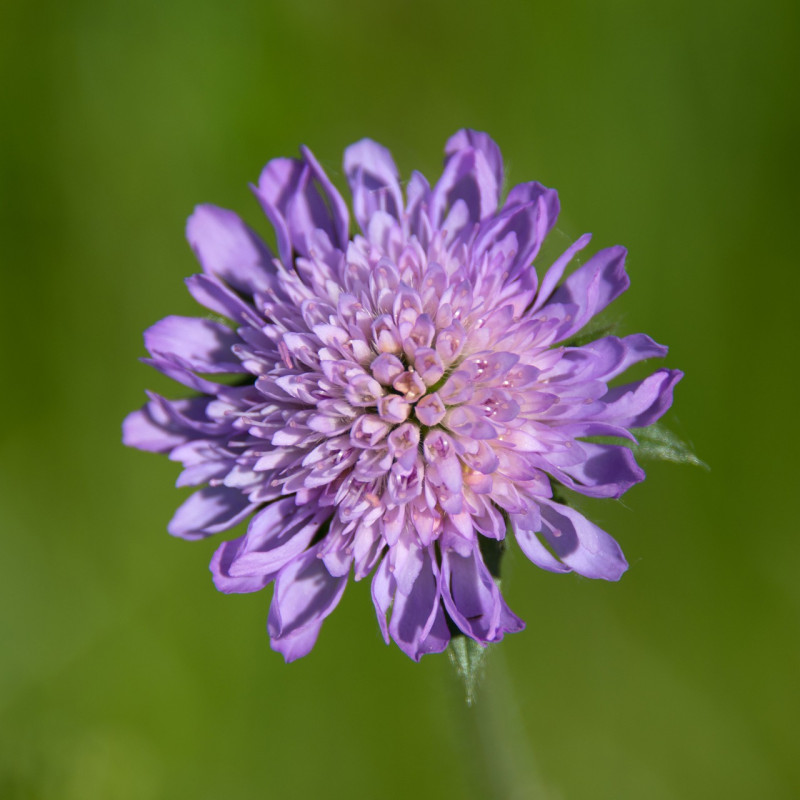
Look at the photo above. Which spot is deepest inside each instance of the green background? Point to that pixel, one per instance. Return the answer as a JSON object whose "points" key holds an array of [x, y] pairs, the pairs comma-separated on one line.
{"points": [[671, 128]]}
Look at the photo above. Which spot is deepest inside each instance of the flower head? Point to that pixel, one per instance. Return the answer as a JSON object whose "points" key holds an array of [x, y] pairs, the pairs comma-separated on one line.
{"points": [[406, 396]]}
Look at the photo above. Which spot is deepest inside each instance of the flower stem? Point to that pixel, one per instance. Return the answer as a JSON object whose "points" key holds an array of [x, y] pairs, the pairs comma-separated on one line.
{"points": [[494, 739]]}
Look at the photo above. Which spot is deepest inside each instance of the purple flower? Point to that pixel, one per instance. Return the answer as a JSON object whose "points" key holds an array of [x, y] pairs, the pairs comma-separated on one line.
{"points": [[404, 398]]}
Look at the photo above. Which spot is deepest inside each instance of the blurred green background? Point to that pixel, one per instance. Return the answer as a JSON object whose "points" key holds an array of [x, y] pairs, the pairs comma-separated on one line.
{"points": [[670, 128]]}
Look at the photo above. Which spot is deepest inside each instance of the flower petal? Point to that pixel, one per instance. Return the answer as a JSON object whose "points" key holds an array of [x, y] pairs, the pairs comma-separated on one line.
{"points": [[418, 623], [299, 199], [525, 533], [209, 511], [228, 249], [638, 347], [580, 544], [383, 589], [604, 359], [467, 179], [483, 143], [553, 275], [590, 289], [472, 598], [530, 212], [305, 593], [418, 194], [275, 536], [276, 186], [212, 294], [607, 471], [154, 429], [202, 344], [189, 413], [220, 571], [372, 175], [406, 558], [337, 208], [637, 405]]}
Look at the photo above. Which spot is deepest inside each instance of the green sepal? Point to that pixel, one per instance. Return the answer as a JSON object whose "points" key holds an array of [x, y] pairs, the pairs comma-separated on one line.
{"points": [[655, 443], [661, 444], [597, 329], [469, 659]]}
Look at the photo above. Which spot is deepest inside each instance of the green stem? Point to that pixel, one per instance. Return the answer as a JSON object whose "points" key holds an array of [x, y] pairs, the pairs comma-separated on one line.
{"points": [[496, 744]]}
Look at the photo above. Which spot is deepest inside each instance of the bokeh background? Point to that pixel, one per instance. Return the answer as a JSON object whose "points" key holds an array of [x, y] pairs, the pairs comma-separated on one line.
{"points": [[671, 128]]}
